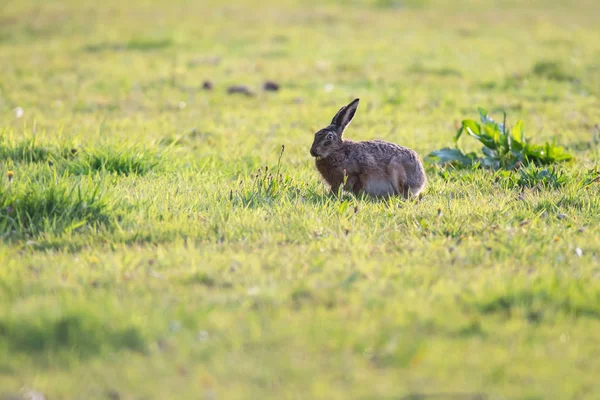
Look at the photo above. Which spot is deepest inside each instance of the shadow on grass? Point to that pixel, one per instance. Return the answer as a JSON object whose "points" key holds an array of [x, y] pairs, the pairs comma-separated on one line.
{"points": [[541, 70], [552, 70], [575, 299], [139, 44], [419, 69], [79, 333]]}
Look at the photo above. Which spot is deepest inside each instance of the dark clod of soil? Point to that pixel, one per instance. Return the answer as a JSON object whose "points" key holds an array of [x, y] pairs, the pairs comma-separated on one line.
{"points": [[239, 89], [271, 86]]}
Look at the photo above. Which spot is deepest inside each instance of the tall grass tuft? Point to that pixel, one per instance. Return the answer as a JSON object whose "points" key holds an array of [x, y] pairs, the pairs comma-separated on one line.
{"points": [[32, 205], [122, 161], [82, 333], [265, 186]]}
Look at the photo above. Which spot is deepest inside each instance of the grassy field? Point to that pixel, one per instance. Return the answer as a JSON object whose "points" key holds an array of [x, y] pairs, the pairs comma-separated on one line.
{"points": [[146, 254]]}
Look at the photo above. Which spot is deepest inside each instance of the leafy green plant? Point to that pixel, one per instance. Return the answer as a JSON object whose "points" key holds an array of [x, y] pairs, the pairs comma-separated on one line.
{"points": [[503, 148]]}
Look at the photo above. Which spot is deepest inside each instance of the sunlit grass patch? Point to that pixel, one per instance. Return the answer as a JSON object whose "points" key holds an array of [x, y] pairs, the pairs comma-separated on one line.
{"points": [[122, 161], [161, 248]]}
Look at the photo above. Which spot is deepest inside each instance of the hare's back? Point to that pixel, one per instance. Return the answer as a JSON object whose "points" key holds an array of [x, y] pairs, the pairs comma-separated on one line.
{"points": [[386, 151]]}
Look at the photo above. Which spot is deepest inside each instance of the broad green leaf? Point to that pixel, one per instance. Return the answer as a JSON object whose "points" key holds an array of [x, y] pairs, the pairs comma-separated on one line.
{"points": [[547, 153], [517, 134], [516, 158], [506, 142], [535, 153], [448, 155], [458, 134], [492, 129], [490, 163], [513, 163], [489, 152], [557, 153], [471, 127], [483, 114], [489, 121], [517, 146], [490, 137], [560, 154]]}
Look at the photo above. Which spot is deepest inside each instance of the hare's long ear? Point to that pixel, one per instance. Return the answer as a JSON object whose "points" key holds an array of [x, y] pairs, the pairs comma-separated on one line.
{"points": [[343, 117]]}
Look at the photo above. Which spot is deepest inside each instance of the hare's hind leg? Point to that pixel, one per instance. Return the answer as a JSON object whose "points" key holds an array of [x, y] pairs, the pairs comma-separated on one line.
{"points": [[353, 184], [416, 191], [397, 176], [417, 182]]}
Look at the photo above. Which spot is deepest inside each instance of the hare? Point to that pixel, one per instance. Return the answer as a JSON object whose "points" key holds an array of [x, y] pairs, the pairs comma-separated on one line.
{"points": [[374, 167]]}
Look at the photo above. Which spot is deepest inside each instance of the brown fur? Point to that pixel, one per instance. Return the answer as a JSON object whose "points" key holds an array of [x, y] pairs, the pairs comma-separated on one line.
{"points": [[374, 167]]}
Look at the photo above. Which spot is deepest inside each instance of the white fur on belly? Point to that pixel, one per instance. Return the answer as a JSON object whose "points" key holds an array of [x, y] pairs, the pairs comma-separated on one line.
{"points": [[379, 187]]}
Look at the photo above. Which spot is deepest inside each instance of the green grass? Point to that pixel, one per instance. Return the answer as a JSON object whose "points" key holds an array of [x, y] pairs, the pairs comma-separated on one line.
{"points": [[156, 244]]}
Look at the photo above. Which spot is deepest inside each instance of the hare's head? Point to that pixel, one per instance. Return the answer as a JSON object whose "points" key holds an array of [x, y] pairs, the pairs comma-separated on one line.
{"points": [[329, 139]]}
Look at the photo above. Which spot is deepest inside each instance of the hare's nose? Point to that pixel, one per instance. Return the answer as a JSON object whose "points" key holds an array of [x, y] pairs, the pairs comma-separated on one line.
{"points": [[312, 153]]}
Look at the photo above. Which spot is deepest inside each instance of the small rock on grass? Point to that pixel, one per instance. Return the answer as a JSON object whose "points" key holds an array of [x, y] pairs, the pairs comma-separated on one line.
{"points": [[207, 85]]}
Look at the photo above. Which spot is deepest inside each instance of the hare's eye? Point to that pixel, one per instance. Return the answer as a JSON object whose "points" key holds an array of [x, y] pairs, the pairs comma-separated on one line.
{"points": [[329, 136]]}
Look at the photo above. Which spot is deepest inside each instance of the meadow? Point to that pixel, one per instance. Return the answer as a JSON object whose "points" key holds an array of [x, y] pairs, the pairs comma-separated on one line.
{"points": [[160, 240]]}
